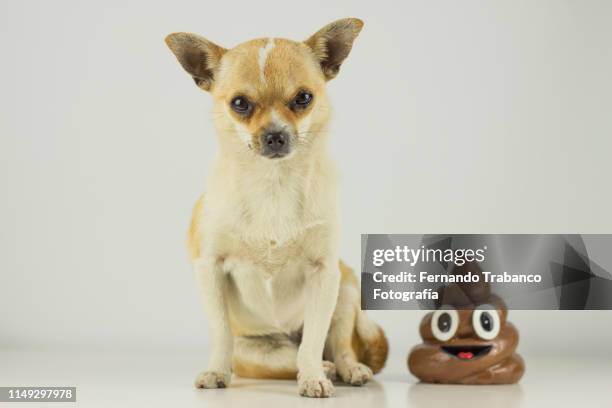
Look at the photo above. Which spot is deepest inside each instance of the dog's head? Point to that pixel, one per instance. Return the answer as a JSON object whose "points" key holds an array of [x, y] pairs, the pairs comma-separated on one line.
{"points": [[269, 94]]}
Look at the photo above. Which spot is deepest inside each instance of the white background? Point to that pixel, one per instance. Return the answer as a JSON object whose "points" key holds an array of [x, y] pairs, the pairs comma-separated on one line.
{"points": [[471, 116]]}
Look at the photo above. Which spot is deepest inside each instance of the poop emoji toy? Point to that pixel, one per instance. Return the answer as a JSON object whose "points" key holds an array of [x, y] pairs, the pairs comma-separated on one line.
{"points": [[468, 339]]}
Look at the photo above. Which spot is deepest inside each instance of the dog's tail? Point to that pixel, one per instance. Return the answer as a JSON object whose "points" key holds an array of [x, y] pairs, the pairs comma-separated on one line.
{"points": [[372, 346]]}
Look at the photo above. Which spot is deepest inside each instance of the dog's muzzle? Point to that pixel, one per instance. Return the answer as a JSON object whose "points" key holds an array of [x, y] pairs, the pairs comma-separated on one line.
{"points": [[275, 144]]}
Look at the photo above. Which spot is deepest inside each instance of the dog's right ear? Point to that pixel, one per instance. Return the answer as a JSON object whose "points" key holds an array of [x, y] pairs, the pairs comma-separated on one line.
{"points": [[198, 56]]}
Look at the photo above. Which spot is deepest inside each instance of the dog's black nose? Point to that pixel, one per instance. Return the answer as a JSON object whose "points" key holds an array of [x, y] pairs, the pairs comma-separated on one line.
{"points": [[275, 140], [275, 144]]}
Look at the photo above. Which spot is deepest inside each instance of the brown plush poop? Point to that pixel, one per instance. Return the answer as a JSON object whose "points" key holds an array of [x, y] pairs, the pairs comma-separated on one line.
{"points": [[468, 340]]}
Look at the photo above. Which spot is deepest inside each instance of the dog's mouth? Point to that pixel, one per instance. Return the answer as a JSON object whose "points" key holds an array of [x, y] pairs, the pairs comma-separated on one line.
{"points": [[467, 352], [276, 155]]}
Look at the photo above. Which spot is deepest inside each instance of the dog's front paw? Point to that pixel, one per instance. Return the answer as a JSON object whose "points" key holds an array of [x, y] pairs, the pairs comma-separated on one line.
{"points": [[212, 379], [356, 374], [315, 386]]}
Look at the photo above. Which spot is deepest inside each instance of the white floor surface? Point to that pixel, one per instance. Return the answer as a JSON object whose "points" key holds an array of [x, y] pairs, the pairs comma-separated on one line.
{"points": [[151, 380]]}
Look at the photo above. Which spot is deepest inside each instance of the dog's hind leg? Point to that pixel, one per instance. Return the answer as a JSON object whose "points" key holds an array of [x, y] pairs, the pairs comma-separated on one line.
{"points": [[355, 344], [339, 347], [272, 356]]}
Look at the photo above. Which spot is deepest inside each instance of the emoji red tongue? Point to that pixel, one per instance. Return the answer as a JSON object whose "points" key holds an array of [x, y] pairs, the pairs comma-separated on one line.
{"points": [[465, 355]]}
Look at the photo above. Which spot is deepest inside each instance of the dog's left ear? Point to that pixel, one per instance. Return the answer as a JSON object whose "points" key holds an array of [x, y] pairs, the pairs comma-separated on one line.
{"points": [[198, 56], [332, 44]]}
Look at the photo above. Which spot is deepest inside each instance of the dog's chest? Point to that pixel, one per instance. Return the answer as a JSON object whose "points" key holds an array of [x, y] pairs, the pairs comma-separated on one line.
{"points": [[273, 218], [275, 206], [266, 291]]}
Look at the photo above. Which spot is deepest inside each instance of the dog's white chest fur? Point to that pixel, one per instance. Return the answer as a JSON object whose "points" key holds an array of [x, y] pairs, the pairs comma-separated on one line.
{"points": [[265, 297], [275, 217], [267, 225]]}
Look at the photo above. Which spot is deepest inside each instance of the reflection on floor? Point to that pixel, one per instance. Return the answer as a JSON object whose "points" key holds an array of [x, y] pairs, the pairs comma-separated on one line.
{"points": [[133, 380]]}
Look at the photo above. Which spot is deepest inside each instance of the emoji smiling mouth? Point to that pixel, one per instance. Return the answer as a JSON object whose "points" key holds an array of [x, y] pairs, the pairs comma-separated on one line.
{"points": [[467, 352]]}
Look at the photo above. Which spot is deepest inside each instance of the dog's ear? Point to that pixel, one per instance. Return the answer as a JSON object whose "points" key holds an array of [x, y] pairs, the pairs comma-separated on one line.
{"points": [[198, 56], [332, 44]]}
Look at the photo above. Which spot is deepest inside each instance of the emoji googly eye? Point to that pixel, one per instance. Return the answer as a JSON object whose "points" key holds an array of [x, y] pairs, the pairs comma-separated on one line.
{"points": [[486, 322], [444, 323]]}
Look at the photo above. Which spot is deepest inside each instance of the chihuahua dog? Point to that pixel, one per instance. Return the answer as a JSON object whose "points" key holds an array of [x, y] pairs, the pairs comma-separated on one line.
{"points": [[264, 241]]}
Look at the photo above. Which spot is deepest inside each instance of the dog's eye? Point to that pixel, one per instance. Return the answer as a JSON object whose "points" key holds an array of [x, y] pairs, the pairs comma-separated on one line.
{"points": [[301, 100], [241, 105]]}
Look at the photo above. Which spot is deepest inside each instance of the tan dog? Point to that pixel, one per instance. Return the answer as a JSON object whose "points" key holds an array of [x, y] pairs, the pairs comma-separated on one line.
{"points": [[264, 242]]}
